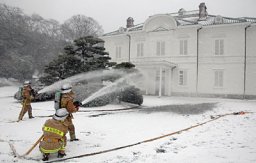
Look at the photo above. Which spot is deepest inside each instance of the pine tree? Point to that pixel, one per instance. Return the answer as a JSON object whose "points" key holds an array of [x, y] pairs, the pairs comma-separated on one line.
{"points": [[85, 54]]}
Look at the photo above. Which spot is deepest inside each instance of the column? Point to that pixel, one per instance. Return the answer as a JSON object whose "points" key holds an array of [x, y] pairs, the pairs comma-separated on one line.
{"points": [[160, 82]]}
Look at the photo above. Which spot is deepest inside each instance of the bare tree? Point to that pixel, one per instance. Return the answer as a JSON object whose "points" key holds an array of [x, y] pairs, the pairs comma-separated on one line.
{"points": [[26, 43], [80, 26]]}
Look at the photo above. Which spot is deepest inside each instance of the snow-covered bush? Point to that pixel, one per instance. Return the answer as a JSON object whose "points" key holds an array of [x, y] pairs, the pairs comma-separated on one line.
{"points": [[131, 95], [102, 100], [84, 90]]}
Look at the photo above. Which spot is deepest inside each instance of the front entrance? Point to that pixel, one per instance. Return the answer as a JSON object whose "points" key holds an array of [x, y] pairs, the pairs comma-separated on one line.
{"points": [[158, 76], [160, 82]]}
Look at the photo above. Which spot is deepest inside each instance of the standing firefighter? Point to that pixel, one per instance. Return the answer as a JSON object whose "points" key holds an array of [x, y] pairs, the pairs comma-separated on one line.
{"points": [[54, 135], [67, 101], [27, 96]]}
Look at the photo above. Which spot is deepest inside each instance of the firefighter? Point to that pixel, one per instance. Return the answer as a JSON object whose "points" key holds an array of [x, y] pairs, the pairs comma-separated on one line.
{"points": [[67, 101], [54, 135], [27, 96]]}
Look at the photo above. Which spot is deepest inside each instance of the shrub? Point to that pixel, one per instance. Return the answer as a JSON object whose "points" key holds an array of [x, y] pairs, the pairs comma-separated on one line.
{"points": [[131, 95], [84, 90]]}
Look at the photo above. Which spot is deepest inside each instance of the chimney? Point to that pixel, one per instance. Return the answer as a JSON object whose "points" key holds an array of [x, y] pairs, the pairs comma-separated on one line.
{"points": [[129, 23], [202, 11]]}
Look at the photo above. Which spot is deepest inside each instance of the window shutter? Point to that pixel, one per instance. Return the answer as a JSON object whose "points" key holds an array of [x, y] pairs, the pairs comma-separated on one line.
{"points": [[117, 52], [162, 48], [216, 47], [185, 47], [181, 78], [138, 50], [221, 47], [221, 78], [142, 49], [158, 48], [181, 47], [216, 79], [185, 78]]}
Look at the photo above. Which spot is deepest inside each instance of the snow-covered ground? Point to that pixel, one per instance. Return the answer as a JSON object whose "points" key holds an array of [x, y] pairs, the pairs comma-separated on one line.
{"points": [[229, 139]]}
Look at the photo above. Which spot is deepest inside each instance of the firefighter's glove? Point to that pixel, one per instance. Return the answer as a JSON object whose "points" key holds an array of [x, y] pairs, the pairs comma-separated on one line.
{"points": [[77, 104], [33, 92]]}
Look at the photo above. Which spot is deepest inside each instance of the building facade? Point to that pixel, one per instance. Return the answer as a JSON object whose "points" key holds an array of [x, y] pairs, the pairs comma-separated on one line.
{"points": [[190, 53]]}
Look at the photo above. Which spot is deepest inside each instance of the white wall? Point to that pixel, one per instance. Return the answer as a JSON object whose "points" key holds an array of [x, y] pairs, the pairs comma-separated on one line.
{"points": [[251, 61], [232, 62]]}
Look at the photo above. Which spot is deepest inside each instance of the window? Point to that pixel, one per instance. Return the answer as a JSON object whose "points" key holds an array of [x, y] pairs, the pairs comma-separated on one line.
{"points": [[218, 78], [182, 77], [219, 47], [140, 49], [160, 48], [118, 52], [183, 47]]}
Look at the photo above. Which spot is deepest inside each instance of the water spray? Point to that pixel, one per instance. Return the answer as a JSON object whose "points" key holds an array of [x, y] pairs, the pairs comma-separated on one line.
{"points": [[113, 87], [81, 77]]}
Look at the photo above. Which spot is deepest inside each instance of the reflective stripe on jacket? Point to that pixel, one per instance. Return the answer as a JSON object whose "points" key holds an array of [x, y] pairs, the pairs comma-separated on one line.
{"points": [[53, 130]]}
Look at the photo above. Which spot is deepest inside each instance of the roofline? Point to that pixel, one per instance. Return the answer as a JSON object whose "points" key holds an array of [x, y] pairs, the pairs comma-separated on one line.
{"points": [[227, 24], [241, 20]]}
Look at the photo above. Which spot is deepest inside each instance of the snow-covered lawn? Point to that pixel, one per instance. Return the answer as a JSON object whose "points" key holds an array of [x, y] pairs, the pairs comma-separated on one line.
{"points": [[228, 139]]}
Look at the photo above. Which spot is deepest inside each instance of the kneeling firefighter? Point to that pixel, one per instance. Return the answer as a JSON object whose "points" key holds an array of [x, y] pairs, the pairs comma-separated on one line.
{"points": [[54, 135]]}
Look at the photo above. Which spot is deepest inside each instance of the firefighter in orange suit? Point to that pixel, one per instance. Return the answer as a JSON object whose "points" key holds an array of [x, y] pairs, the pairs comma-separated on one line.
{"points": [[54, 135], [27, 96], [67, 101]]}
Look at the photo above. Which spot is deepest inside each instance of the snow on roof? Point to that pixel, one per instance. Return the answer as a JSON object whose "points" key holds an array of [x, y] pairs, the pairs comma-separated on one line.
{"points": [[186, 18]]}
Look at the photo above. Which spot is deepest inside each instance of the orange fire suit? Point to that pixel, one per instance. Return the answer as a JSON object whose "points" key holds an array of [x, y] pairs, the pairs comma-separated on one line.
{"points": [[67, 100], [26, 102], [54, 139]]}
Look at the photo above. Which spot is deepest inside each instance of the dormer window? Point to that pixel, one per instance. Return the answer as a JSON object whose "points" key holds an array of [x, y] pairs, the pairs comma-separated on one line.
{"points": [[181, 11], [218, 19], [121, 29]]}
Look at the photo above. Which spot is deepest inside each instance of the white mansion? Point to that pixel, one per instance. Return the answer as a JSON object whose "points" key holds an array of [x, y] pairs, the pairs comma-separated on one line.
{"points": [[190, 53]]}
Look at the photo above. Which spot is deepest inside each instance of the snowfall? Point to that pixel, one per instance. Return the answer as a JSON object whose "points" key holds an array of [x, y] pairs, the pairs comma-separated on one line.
{"points": [[227, 139]]}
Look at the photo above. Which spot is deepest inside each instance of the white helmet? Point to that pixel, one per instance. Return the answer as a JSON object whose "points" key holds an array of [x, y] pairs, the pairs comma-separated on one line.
{"points": [[61, 114], [66, 88], [27, 82]]}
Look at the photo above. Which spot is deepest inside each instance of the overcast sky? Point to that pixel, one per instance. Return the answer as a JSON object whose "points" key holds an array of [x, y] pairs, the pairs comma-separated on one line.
{"points": [[112, 14]]}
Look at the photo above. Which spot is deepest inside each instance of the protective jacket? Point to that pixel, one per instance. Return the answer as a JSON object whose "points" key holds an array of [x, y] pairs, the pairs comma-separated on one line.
{"points": [[54, 136], [27, 95], [67, 100], [26, 102]]}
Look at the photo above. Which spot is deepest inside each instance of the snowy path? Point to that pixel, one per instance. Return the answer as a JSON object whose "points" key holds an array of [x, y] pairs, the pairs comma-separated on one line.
{"points": [[228, 139]]}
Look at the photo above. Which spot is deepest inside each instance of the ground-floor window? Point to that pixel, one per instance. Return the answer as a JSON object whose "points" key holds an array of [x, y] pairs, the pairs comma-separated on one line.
{"points": [[140, 49], [183, 77], [218, 78], [118, 52]]}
